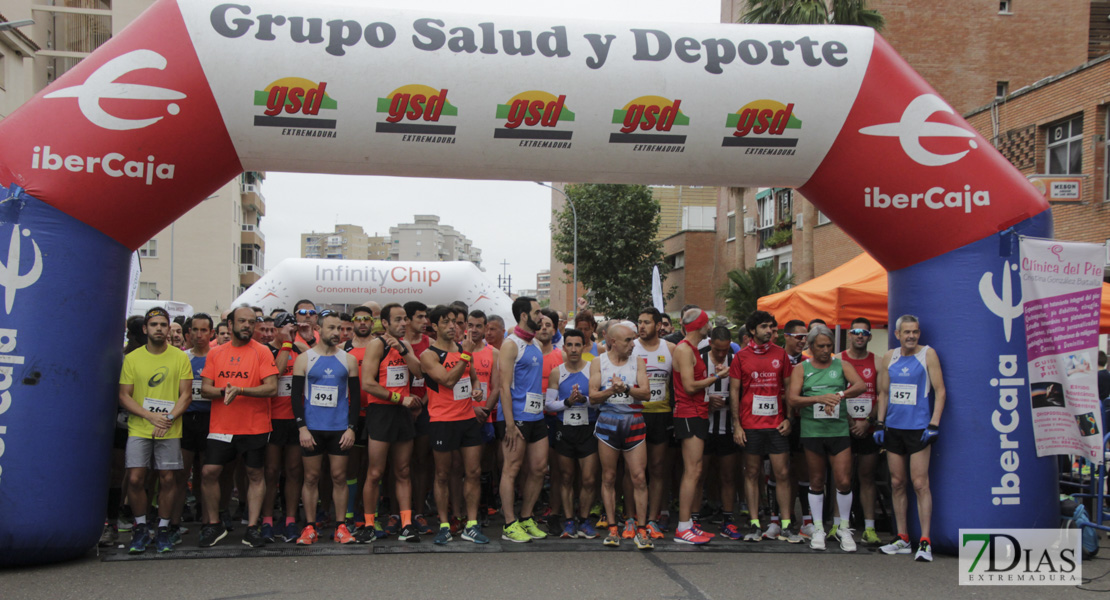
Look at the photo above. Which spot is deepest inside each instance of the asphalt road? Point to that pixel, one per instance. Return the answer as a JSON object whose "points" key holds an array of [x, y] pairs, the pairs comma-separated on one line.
{"points": [[551, 569]]}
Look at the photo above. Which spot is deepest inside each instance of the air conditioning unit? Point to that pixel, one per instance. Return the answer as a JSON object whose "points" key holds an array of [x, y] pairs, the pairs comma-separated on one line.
{"points": [[749, 225], [251, 188], [798, 221]]}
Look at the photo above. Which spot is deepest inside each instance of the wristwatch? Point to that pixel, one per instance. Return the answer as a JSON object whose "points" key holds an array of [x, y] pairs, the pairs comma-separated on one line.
{"points": [[169, 416], [840, 394]]}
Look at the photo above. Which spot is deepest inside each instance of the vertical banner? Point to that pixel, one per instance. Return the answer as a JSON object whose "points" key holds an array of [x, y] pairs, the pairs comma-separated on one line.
{"points": [[1061, 288]]}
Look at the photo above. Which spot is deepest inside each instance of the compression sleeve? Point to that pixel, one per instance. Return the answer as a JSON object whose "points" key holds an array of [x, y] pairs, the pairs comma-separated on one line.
{"points": [[552, 401], [355, 402], [297, 399]]}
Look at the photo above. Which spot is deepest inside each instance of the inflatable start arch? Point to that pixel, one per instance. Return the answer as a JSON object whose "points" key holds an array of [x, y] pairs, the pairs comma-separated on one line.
{"points": [[193, 93]]}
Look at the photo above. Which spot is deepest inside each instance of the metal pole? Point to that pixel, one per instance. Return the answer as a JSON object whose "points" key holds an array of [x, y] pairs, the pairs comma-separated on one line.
{"points": [[574, 212]]}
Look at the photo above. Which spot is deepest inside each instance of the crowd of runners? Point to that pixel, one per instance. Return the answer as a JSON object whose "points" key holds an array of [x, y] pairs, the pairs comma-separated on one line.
{"points": [[419, 422]]}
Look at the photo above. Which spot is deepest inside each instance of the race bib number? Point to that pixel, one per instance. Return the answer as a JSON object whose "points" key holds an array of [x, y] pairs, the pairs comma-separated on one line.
{"points": [[859, 408], [658, 384], [196, 392], [462, 389], [285, 386], [575, 416], [622, 398], [397, 376], [903, 393], [220, 437], [533, 403], [485, 389], [324, 396], [161, 407], [819, 412], [765, 406], [418, 382]]}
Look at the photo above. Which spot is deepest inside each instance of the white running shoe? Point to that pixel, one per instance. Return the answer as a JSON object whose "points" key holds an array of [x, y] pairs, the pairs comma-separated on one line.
{"points": [[847, 543], [774, 532], [806, 531], [817, 540], [898, 546], [924, 552]]}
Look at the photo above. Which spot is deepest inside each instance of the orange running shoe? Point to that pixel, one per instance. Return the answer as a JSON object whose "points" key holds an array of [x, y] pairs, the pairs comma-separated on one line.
{"points": [[308, 536], [629, 529], [653, 531], [343, 535]]}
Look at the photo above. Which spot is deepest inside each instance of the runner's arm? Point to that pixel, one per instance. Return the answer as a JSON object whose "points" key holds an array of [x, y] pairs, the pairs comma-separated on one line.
{"points": [[936, 378], [598, 395], [552, 401], [354, 398], [494, 382], [297, 400], [266, 390], [209, 390], [882, 388], [856, 384], [506, 362], [642, 390], [371, 365], [184, 397]]}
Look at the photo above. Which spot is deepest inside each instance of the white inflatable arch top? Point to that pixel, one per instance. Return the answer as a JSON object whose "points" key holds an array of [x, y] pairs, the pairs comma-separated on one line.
{"points": [[327, 281]]}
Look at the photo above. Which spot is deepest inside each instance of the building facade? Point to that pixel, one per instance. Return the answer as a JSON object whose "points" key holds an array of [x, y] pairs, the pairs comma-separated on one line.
{"points": [[211, 253], [425, 239]]}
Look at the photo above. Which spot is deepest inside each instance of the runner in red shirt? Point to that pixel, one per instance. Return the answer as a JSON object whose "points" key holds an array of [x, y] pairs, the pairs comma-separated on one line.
{"points": [[422, 467], [862, 411], [759, 422], [486, 368], [241, 377], [283, 450]]}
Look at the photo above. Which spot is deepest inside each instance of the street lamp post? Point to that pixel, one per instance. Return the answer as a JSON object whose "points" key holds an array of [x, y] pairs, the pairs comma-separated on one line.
{"points": [[574, 212]]}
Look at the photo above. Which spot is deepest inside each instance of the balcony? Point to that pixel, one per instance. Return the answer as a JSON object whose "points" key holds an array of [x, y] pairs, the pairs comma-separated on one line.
{"points": [[253, 200], [249, 274], [776, 236], [251, 235]]}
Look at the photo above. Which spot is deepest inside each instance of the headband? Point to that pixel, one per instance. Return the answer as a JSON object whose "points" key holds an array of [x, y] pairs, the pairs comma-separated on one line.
{"points": [[698, 323]]}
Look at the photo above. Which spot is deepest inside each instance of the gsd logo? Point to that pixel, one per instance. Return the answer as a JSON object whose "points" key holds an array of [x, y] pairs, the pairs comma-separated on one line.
{"points": [[761, 127], [534, 115], [647, 122], [294, 103], [414, 111]]}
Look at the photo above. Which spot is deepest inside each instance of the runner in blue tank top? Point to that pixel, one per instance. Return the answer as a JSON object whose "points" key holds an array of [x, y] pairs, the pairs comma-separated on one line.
{"points": [[525, 431], [907, 427], [326, 404]]}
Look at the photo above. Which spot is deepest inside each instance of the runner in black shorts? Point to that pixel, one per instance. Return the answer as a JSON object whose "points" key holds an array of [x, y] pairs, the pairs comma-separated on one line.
{"points": [[861, 410]]}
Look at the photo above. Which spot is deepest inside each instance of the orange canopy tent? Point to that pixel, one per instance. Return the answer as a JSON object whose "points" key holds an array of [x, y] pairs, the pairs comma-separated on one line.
{"points": [[855, 289]]}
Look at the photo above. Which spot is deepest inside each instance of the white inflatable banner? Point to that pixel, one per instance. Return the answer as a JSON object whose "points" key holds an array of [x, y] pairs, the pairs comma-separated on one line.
{"points": [[326, 281]]}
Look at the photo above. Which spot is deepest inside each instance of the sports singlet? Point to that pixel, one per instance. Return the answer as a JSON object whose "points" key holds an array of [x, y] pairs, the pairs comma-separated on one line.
{"points": [[619, 403], [326, 402], [908, 401], [659, 368], [815, 382]]}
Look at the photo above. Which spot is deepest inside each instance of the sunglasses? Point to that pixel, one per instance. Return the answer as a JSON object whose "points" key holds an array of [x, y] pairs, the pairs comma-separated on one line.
{"points": [[801, 337], [863, 332], [324, 313], [362, 318], [306, 311], [259, 319]]}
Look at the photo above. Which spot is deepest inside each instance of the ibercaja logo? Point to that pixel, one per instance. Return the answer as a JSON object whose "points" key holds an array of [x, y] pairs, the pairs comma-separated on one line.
{"points": [[648, 123], [1020, 557], [294, 105], [766, 127], [533, 118], [414, 111]]}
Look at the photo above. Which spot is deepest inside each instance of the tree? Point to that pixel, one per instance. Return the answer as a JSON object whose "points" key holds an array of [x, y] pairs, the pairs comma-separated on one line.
{"points": [[617, 225], [744, 288], [813, 12]]}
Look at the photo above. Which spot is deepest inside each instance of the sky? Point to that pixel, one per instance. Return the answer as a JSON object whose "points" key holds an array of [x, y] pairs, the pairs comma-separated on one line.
{"points": [[481, 210]]}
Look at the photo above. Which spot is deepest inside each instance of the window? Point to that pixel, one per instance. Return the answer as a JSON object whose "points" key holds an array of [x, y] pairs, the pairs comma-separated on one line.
{"points": [[786, 267], [79, 27], [1065, 147], [1005, 7], [149, 249], [731, 225], [417, 242], [148, 290], [766, 212], [785, 201], [677, 261], [1001, 89], [822, 219]]}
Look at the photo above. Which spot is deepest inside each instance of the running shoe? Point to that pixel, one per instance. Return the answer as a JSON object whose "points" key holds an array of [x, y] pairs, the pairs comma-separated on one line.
{"points": [[924, 552], [817, 540], [774, 531], [176, 531], [847, 542], [422, 525], [210, 534], [457, 525], [729, 530], [614, 537], [409, 533], [308, 536], [790, 535], [253, 537], [164, 542], [587, 530], [664, 522], [643, 540], [474, 534], [705, 534], [629, 529], [343, 535], [108, 537], [140, 538], [654, 531], [268, 533], [124, 524], [602, 523], [898, 546], [755, 534], [832, 531], [806, 531], [228, 523], [364, 535], [380, 533], [570, 530], [515, 532], [595, 510], [393, 525], [530, 528], [291, 532], [690, 536], [443, 536], [870, 537]]}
